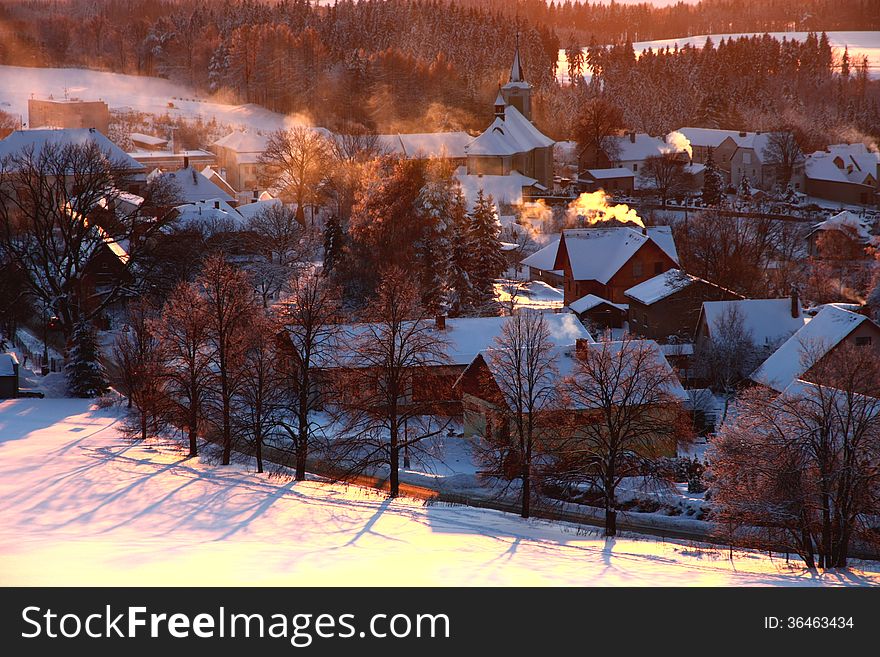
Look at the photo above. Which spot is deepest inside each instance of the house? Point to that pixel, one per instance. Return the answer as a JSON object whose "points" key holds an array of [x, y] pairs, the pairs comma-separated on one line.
{"points": [[629, 151], [169, 160], [146, 142], [37, 140], [210, 217], [464, 338], [193, 186], [448, 146], [741, 154], [512, 143], [607, 261], [8, 376], [614, 180], [845, 173], [797, 357], [541, 265], [767, 322], [846, 235], [238, 155], [669, 305], [599, 312], [483, 404], [68, 113]]}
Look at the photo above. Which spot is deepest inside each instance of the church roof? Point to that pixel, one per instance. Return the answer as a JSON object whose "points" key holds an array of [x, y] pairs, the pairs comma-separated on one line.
{"points": [[508, 136], [516, 71]]}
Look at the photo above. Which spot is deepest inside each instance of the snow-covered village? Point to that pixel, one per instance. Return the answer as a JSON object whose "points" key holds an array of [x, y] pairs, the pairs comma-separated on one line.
{"points": [[478, 293]]}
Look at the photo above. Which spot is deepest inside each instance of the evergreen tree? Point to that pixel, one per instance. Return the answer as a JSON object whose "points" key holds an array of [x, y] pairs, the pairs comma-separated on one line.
{"points": [[712, 183], [461, 289], [487, 260], [85, 373], [433, 249], [333, 240], [745, 187]]}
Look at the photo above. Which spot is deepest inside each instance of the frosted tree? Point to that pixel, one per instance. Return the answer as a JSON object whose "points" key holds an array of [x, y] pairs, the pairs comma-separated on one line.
{"points": [[461, 288], [745, 187], [435, 202], [712, 182], [333, 243], [487, 259], [86, 376]]}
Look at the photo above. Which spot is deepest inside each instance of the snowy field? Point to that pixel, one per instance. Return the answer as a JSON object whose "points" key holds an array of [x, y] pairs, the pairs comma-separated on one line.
{"points": [[859, 43], [80, 505], [144, 94]]}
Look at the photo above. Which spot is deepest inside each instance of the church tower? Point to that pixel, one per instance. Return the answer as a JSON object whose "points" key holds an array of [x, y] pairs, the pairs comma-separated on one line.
{"points": [[517, 92]]}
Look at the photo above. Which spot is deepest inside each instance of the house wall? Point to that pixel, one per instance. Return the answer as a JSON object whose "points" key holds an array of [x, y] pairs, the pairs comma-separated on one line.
{"points": [[547, 276], [677, 314], [840, 192], [487, 165], [69, 114], [864, 331], [722, 153], [623, 184]]}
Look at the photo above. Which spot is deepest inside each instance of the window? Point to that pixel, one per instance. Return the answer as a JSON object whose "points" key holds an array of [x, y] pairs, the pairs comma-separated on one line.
{"points": [[635, 167], [864, 341], [747, 158], [637, 268], [658, 268]]}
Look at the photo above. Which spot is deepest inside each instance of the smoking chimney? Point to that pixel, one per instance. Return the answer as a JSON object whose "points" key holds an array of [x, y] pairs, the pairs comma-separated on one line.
{"points": [[440, 322], [795, 303]]}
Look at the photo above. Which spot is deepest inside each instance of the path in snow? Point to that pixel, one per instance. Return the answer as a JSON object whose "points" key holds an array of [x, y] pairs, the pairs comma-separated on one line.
{"points": [[81, 505]]}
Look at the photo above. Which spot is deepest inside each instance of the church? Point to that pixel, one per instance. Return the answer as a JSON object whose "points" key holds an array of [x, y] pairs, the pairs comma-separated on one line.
{"points": [[512, 144]]}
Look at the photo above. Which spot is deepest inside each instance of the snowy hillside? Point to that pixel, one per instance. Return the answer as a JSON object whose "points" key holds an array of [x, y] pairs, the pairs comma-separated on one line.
{"points": [[81, 505], [144, 94]]}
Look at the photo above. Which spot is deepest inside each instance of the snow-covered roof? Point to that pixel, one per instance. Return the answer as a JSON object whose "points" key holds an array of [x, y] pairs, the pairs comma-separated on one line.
{"points": [[243, 141], [211, 215], [543, 259], [641, 147], [509, 135], [8, 361], [149, 140], [616, 172], [660, 287], [844, 163], [599, 253], [468, 336], [850, 222], [38, 139], [712, 138], [591, 301], [769, 321], [504, 189], [803, 349], [194, 186], [251, 210], [427, 144]]}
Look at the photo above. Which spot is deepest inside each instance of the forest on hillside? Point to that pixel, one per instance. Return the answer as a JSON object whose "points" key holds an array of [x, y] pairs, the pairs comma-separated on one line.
{"points": [[420, 65]]}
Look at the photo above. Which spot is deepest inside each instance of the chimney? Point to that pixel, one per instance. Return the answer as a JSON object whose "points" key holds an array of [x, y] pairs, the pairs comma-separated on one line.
{"points": [[216, 205], [742, 133], [256, 195], [581, 347], [632, 136], [440, 322], [795, 303], [186, 161], [645, 231]]}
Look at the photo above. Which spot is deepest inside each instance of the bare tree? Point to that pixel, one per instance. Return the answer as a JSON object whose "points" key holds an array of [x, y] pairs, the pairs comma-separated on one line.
{"points": [[182, 331], [259, 398], [598, 122], [522, 366], [801, 470], [666, 173], [308, 318], [295, 162], [728, 356], [229, 311], [60, 206], [384, 413], [141, 369], [628, 416], [783, 152]]}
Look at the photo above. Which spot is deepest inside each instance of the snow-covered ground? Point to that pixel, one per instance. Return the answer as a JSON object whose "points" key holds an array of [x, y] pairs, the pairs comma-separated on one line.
{"points": [[81, 505], [859, 43], [144, 94]]}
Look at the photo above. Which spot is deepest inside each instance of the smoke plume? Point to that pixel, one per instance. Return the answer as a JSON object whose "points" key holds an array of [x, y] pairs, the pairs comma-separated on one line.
{"points": [[593, 208]]}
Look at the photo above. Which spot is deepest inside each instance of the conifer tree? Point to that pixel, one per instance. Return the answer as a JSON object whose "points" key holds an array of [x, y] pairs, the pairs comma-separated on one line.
{"points": [[333, 239], [745, 187], [86, 376], [712, 183], [461, 289], [487, 260]]}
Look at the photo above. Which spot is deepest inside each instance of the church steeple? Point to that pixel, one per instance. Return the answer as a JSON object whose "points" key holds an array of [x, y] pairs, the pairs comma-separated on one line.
{"points": [[500, 104], [517, 92]]}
